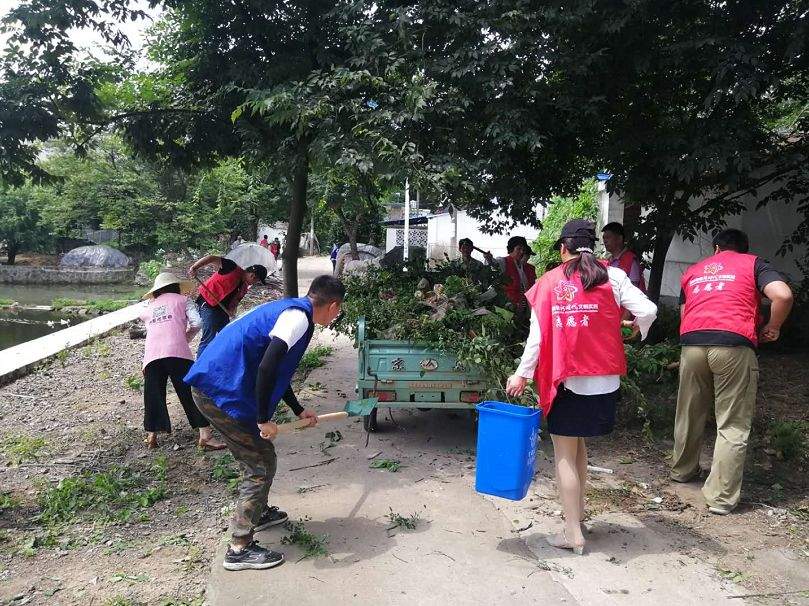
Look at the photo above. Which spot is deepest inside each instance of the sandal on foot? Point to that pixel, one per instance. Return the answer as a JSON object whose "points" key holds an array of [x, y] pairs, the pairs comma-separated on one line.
{"points": [[211, 445], [560, 542]]}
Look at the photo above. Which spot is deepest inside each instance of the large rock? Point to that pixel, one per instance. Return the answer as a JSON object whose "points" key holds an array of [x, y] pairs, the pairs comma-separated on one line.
{"points": [[364, 252], [95, 256]]}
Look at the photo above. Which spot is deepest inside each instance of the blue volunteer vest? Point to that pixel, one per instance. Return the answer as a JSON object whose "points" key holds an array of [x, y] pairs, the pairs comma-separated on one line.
{"points": [[226, 370]]}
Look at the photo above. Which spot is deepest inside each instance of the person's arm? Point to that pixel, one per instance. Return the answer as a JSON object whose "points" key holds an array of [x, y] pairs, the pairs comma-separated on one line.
{"points": [[631, 297], [214, 260], [292, 401], [194, 320], [265, 377], [781, 296]]}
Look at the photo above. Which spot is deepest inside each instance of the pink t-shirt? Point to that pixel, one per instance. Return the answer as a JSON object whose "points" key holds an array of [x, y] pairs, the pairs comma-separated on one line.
{"points": [[170, 324]]}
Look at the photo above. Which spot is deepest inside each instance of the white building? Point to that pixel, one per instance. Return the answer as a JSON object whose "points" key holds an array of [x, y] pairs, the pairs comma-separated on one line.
{"points": [[767, 228], [445, 229]]}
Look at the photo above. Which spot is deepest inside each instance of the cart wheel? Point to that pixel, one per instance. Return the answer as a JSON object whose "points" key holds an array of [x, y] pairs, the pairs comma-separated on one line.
{"points": [[369, 421]]}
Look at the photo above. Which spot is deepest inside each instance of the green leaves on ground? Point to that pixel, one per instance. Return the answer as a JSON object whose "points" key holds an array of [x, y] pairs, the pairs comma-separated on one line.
{"points": [[225, 469], [134, 382], [314, 546], [332, 437], [392, 465], [315, 357], [20, 448], [399, 521], [113, 496]]}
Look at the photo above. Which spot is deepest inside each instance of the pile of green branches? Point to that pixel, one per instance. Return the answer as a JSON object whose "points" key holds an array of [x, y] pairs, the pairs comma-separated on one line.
{"points": [[438, 307]]}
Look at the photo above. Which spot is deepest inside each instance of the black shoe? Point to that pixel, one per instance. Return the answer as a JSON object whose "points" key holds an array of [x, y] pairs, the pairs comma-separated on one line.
{"points": [[252, 557], [272, 516]]}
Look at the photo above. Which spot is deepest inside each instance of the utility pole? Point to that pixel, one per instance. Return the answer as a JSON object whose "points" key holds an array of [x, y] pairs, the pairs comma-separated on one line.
{"points": [[406, 249]]}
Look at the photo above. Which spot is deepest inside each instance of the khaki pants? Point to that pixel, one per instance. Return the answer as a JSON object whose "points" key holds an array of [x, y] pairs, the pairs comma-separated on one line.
{"points": [[727, 378]]}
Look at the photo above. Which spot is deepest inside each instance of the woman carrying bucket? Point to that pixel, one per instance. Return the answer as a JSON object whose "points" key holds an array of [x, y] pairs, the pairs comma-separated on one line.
{"points": [[575, 355]]}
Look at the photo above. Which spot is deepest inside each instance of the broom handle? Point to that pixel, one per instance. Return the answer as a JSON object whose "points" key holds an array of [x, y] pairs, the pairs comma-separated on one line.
{"points": [[301, 423]]}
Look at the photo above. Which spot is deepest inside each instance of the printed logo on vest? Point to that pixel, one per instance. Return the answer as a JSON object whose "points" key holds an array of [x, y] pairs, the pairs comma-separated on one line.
{"points": [[713, 268], [565, 291]]}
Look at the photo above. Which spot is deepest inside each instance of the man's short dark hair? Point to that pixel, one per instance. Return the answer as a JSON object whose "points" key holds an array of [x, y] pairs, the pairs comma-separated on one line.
{"points": [[732, 239], [325, 290], [463, 241], [614, 228], [513, 241]]}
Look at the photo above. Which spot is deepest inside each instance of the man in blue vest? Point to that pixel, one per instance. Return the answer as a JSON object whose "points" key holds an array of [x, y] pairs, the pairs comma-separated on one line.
{"points": [[237, 382]]}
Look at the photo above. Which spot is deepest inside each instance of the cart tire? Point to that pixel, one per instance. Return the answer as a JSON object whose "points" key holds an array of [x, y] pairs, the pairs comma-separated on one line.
{"points": [[369, 421], [424, 409]]}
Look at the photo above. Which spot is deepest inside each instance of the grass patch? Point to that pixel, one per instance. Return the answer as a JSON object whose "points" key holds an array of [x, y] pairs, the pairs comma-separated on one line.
{"points": [[788, 439], [314, 358], [225, 470], [391, 465], [100, 305], [117, 495], [134, 382], [399, 521], [6, 302], [8, 501], [19, 448], [314, 546]]}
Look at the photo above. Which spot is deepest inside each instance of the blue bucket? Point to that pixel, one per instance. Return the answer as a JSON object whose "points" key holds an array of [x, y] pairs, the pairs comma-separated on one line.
{"points": [[507, 448]]}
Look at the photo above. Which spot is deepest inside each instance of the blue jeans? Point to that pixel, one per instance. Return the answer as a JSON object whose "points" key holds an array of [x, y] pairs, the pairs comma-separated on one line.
{"points": [[213, 320]]}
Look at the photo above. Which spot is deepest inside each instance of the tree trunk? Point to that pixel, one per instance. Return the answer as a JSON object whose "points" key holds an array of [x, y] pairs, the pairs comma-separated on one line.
{"points": [[661, 248], [12, 250], [297, 211]]}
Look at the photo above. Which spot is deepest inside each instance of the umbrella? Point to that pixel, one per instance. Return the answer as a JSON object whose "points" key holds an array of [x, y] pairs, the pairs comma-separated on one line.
{"points": [[246, 255]]}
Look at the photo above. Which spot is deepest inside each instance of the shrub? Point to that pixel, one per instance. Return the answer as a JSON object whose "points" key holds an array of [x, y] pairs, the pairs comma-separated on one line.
{"points": [[788, 438], [582, 206]]}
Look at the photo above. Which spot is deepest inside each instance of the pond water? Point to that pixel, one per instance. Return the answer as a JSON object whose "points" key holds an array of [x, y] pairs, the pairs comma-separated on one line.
{"points": [[18, 326]]}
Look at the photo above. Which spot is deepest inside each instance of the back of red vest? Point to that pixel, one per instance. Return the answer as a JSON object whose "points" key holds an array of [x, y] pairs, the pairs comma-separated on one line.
{"points": [[219, 286], [721, 294], [580, 332]]}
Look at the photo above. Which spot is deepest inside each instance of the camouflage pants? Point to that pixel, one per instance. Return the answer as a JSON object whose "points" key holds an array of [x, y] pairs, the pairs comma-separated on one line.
{"points": [[257, 459]]}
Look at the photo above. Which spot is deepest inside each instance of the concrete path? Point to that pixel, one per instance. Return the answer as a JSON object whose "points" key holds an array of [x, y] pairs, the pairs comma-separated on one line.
{"points": [[467, 549], [461, 552], [19, 357]]}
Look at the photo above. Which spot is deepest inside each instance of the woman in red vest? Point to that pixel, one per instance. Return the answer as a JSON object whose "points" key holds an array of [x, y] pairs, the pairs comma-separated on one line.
{"points": [[519, 273], [575, 355], [220, 295]]}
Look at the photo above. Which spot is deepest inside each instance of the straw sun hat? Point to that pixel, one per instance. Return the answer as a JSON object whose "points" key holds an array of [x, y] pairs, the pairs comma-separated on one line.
{"points": [[164, 279]]}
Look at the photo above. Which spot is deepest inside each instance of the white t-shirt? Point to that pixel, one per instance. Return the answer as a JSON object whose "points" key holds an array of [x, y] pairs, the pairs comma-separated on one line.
{"points": [[628, 296], [290, 326]]}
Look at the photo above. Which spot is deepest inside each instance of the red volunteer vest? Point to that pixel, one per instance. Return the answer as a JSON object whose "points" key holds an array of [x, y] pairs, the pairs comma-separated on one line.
{"points": [[513, 289], [580, 332], [625, 262], [721, 294], [219, 286]]}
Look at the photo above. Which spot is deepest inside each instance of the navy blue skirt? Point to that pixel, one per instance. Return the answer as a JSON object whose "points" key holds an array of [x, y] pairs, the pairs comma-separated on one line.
{"points": [[580, 416]]}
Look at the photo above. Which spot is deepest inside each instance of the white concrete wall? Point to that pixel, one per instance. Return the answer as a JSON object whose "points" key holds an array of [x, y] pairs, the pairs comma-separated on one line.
{"points": [[441, 236], [767, 228]]}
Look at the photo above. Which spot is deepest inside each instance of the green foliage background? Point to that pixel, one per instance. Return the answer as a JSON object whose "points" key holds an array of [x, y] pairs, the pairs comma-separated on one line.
{"points": [[584, 205]]}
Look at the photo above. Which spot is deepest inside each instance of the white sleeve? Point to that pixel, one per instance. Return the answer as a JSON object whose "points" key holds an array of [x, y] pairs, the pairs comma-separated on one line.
{"points": [[630, 297], [290, 326], [194, 321], [530, 355]]}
